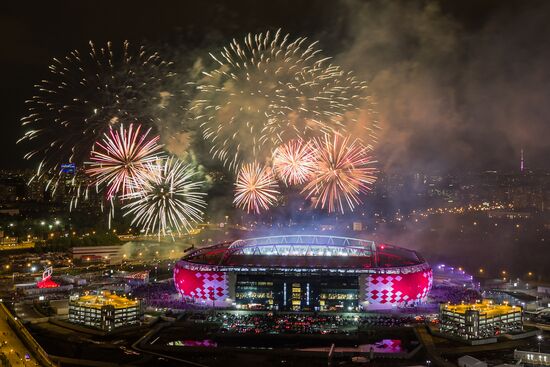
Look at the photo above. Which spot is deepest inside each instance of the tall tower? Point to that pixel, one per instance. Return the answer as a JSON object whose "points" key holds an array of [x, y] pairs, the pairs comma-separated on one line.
{"points": [[521, 162]]}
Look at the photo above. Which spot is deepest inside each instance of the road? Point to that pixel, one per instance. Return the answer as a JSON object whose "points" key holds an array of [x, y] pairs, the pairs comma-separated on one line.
{"points": [[12, 346], [544, 327], [433, 355]]}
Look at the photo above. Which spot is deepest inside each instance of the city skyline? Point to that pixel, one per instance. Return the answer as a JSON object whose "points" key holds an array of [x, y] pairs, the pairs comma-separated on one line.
{"points": [[285, 183]]}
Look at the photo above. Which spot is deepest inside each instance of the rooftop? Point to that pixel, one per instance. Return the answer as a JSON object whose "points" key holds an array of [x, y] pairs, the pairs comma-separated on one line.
{"points": [[485, 308], [104, 299]]}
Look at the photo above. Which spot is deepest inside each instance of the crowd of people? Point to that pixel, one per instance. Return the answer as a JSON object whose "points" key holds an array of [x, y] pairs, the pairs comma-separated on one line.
{"points": [[163, 295], [389, 321], [283, 324], [454, 295], [257, 323], [158, 290], [159, 295]]}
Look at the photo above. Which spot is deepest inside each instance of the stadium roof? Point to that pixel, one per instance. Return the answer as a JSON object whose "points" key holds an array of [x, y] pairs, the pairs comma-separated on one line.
{"points": [[304, 251]]}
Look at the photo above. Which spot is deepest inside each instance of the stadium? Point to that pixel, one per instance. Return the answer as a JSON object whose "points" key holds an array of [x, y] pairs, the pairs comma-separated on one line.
{"points": [[303, 273]]}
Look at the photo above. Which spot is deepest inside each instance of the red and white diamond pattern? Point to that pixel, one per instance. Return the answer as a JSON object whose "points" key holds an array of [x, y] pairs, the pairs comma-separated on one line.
{"points": [[205, 285], [391, 289]]}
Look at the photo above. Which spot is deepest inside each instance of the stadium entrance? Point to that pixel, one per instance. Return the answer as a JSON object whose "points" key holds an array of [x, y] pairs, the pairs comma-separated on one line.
{"points": [[297, 293]]}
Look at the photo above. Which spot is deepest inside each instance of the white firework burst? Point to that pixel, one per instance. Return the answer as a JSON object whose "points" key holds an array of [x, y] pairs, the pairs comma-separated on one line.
{"points": [[255, 189], [268, 90], [166, 201], [294, 162], [86, 94]]}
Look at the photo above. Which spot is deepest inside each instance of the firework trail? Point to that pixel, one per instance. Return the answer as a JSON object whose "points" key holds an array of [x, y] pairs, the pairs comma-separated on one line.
{"points": [[294, 162], [166, 200], [269, 90], [87, 94], [122, 157], [255, 188], [344, 171]]}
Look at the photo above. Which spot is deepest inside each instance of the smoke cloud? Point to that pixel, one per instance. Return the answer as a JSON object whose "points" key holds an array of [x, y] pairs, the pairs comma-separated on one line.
{"points": [[449, 96]]}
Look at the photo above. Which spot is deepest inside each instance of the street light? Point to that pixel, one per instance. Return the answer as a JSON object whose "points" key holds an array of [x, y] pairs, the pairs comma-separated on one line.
{"points": [[539, 340]]}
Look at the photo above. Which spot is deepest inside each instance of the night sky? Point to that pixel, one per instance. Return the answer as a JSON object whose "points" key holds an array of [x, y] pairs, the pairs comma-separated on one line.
{"points": [[459, 84]]}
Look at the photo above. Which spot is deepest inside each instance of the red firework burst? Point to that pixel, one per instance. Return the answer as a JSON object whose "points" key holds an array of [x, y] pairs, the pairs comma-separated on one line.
{"points": [[122, 157]]}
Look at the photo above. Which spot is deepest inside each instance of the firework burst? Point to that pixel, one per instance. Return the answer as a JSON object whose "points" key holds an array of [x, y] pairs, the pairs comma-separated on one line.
{"points": [[86, 94], [294, 161], [269, 90], [122, 157], [166, 200], [344, 171], [255, 188]]}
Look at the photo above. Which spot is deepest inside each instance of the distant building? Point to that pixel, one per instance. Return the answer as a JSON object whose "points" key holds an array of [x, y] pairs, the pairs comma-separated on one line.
{"points": [[31, 289], [526, 301], [110, 254], [105, 311], [480, 320], [509, 214], [133, 279], [357, 226], [9, 211]]}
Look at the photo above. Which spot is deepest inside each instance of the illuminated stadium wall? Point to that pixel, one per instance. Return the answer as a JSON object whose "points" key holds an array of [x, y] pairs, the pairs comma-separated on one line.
{"points": [[306, 272], [202, 285], [387, 290]]}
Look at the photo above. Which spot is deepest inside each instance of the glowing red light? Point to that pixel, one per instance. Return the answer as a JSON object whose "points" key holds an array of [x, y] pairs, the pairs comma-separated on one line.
{"points": [[47, 283]]}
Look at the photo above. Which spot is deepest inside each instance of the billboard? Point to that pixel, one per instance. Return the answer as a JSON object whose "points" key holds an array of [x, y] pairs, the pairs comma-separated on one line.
{"points": [[69, 168]]}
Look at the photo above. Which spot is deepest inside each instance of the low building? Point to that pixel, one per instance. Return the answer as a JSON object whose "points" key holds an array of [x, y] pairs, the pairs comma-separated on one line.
{"points": [[109, 254], [32, 290], [133, 279], [73, 279], [469, 361], [530, 358], [105, 311], [480, 320], [59, 306], [527, 302]]}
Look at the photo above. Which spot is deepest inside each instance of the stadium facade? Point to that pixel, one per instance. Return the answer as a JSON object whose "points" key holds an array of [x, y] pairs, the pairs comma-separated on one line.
{"points": [[304, 273]]}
